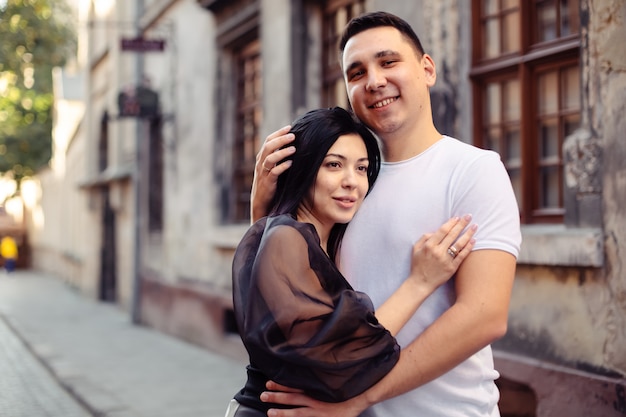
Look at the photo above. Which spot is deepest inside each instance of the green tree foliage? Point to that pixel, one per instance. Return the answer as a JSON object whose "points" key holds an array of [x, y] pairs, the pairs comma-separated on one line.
{"points": [[35, 37]]}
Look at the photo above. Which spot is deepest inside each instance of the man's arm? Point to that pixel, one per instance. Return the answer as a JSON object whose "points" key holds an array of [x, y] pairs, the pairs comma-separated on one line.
{"points": [[477, 318], [266, 170]]}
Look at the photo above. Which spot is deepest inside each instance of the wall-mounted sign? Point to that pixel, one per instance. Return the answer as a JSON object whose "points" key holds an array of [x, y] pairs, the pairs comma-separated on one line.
{"points": [[138, 102], [142, 45]]}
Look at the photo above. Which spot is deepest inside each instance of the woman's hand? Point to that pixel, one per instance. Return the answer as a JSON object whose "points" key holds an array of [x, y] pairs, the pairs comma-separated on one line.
{"points": [[437, 256], [267, 170], [432, 264]]}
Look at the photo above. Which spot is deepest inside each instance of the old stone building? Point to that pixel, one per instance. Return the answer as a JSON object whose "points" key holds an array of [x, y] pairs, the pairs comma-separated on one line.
{"points": [[152, 196]]}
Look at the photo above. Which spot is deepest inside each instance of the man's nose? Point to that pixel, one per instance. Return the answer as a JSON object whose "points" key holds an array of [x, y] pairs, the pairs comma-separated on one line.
{"points": [[375, 79]]}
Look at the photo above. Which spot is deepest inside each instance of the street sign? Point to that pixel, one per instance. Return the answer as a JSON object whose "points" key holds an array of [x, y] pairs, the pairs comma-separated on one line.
{"points": [[142, 45]]}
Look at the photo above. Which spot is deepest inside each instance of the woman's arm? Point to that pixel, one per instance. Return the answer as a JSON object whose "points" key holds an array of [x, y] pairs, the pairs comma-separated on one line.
{"points": [[266, 170], [301, 322], [431, 266]]}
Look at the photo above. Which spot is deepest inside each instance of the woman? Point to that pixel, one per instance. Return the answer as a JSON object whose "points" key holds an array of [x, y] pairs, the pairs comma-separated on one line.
{"points": [[301, 322]]}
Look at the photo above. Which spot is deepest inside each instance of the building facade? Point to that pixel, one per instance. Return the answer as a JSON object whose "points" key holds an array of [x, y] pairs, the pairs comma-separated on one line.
{"points": [[153, 196]]}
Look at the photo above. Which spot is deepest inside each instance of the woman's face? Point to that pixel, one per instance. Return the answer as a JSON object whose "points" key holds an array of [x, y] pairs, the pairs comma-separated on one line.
{"points": [[340, 185]]}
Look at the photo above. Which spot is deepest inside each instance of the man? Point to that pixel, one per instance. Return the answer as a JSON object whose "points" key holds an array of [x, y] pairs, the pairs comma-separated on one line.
{"points": [[446, 365]]}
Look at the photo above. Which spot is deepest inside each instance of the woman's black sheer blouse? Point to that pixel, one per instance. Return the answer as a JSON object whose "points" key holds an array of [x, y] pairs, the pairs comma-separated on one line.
{"points": [[301, 322]]}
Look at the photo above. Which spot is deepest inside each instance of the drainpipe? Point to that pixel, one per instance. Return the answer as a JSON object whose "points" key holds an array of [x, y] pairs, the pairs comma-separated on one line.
{"points": [[136, 296]]}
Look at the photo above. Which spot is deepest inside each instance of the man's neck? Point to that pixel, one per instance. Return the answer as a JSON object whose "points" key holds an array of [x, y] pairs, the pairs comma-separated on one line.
{"points": [[400, 146]]}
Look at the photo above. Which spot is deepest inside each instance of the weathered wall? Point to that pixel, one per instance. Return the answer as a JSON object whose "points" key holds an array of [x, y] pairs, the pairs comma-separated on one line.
{"points": [[607, 107], [560, 315]]}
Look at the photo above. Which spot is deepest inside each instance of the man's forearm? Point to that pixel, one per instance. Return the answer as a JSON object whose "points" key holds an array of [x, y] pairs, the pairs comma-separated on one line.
{"points": [[436, 351]]}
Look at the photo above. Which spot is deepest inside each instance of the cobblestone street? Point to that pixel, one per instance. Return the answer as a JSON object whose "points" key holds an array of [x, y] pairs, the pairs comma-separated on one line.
{"points": [[27, 389], [59, 350]]}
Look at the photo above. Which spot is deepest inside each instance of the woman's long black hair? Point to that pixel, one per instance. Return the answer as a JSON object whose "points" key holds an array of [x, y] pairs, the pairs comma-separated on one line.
{"points": [[315, 133]]}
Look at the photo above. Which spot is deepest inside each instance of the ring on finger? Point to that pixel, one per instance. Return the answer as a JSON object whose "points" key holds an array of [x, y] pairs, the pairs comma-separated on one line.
{"points": [[266, 168], [452, 251]]}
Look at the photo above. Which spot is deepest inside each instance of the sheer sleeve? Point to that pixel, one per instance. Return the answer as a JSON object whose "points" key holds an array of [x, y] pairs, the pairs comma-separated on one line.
{"points": [[304, 326]]}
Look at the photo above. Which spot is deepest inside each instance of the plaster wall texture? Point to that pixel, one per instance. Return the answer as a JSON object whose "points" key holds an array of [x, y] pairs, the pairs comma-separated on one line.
{"points": [[607, 78], [183, 75], [559, 315]]}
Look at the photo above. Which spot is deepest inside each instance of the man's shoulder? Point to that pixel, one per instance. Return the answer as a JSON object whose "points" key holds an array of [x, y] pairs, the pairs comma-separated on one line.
{"points": [[456, 143], [465, 151]]}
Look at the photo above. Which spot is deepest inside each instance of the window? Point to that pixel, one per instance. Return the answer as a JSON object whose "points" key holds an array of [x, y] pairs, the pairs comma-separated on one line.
{"points": [[527, 95], [239, 111], [103, 143], [247, 122], [337, 13], [155, 176]]}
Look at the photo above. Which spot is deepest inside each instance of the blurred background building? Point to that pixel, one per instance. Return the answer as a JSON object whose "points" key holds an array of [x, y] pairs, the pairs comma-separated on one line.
{"points": [[158, 124]]}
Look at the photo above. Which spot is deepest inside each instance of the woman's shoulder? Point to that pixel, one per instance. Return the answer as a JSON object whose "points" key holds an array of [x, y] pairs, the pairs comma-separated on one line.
{"points": [[269, 225], [285, 227]]}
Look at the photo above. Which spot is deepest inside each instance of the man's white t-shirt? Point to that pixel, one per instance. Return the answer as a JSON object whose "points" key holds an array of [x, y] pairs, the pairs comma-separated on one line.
{"points": [[411, 198]]}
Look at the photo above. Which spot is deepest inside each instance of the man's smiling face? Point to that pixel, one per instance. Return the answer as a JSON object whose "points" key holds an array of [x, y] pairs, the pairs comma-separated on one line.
{"points": [[386, 79]]}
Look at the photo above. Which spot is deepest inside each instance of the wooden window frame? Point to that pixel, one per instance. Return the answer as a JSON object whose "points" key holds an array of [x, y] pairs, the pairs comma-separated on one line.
{"points": [[331, 68], [246, 141], [524, 64], [238, 25]]}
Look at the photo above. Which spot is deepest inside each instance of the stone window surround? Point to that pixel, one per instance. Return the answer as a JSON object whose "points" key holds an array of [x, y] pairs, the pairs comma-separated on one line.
{"points": [[561, 245]]}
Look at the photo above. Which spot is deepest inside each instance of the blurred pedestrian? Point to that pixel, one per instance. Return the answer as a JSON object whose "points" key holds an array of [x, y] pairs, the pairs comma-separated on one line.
{"points": [[8, 251]]}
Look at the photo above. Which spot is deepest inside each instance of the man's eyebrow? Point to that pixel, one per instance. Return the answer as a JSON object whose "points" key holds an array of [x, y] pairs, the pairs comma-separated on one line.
{"points": [[377, 55], [385, 53], [352, 66]]}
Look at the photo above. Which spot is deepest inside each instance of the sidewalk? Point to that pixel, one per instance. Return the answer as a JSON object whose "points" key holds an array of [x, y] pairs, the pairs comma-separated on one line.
{"points": [[115, 368], [26, 388]]}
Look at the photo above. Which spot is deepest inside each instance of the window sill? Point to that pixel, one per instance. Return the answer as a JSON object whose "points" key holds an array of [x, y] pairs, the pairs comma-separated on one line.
{"points": [[228, 237], [562, 246], [542, 244]]}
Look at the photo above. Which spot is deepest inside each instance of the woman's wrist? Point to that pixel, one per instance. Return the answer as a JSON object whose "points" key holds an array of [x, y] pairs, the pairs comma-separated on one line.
{"points": [[420, 286]]}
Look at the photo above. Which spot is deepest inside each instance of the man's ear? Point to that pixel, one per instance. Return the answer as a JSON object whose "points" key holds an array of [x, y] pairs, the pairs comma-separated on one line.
{"points": [[430, 71]]}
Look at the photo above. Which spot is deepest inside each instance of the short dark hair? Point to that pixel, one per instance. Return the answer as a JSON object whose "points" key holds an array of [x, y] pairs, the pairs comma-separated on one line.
{"points": [[379, 19], [316, 131]]}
